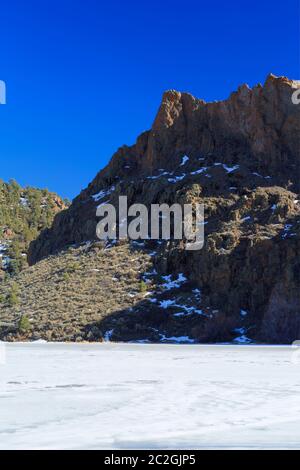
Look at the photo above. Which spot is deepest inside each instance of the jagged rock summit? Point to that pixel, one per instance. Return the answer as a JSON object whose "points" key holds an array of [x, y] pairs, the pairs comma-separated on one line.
{"points": [[241, 159]]}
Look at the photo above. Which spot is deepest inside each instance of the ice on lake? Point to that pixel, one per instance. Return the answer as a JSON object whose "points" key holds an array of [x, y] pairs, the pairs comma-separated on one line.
{"points": [[122, 396]]}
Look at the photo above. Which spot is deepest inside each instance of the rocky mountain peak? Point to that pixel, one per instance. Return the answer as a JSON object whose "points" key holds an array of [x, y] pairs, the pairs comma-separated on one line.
{"points": [[240, 158]]}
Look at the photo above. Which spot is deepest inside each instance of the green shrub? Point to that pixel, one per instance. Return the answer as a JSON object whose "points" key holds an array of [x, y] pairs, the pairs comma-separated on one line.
{"points": [[66, 276], [143, 286], [24, 324], [13, 296], [72, 267]]}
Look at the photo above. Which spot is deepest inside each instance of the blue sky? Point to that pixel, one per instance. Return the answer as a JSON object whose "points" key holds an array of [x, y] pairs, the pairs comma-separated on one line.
{"points": [[84, 77]]}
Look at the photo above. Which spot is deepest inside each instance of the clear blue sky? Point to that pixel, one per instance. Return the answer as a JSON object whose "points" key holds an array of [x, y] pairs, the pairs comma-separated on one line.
{"points": [[86, 76]]}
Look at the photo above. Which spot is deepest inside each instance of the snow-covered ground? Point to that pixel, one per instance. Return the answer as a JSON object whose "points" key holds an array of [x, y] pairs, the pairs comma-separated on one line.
{"points": [[146, 396]]}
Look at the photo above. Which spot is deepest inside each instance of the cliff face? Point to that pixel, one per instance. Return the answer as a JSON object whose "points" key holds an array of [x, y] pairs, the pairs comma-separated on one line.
{"points": [[259, 127], [244, 165]]}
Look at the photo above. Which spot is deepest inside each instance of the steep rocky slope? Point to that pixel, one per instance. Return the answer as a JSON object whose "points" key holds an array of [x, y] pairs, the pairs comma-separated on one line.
{"points": [[240, 157]]}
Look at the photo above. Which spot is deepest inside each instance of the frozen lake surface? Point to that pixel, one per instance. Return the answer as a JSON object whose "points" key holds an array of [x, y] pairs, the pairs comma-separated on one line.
{"points": [[122, 396]]}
